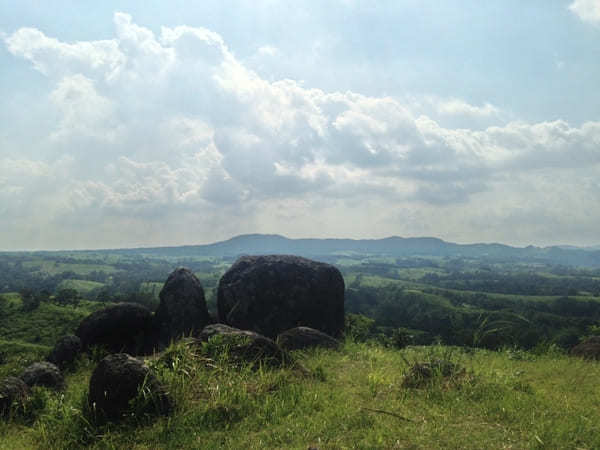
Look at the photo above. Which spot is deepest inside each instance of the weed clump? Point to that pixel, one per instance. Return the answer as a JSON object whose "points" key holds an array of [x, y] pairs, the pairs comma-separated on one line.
{"points": [[434, 367], [421, 374]]}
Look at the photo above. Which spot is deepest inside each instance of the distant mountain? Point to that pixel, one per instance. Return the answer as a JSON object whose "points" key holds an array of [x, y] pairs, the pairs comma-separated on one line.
{"points": [[392, 246]]}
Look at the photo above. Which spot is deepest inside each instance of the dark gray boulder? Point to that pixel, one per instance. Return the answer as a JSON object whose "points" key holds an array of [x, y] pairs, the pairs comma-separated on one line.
{"points": [[124, 327], [13, 394], [43, 373], [273, 293], [244, 345], [118, 380], [65, 351], [182, 310], [300, 338], [588, 349]]}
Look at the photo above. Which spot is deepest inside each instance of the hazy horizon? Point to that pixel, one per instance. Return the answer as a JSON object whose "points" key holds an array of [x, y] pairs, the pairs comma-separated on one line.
{"points": [[194, 244], [128, 124]]}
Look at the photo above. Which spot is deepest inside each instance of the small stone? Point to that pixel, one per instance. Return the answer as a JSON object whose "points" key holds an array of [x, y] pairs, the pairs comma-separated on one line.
{"points": [[305, 337], [43, 373], [13, 394]]}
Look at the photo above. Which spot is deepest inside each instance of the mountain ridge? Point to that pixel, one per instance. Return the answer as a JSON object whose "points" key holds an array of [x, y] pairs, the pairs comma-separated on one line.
{"points": [[394, 246]]}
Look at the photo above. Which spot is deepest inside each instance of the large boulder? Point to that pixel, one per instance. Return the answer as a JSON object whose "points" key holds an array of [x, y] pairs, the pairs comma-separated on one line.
{"points": [[118, 380], [588, 349], [65, 351], [273, 293], [182, 310], [300, 338], [13, 394], [243, 345], [43, 374], [124, 327]]}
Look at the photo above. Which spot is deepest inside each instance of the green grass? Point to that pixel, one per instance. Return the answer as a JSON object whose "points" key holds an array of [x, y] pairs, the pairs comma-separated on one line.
{"points": [[82, 286], [347, 262], [416, 273], [411, 283], [375, 281], [16, 355], [10, 299], [45, 324], [349, 399]]}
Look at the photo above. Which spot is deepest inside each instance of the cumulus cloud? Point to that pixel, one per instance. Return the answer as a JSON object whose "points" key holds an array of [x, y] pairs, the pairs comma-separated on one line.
{"points": [[54, 58], [460, 107], [587, 10], [83, 110], [170, 130]]}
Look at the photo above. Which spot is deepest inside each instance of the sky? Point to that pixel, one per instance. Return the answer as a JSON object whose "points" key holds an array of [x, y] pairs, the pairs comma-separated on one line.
{"points": [[146, 123]]}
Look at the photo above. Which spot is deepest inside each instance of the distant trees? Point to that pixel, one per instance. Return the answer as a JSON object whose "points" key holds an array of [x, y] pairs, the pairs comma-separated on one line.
{"points": [[359, 327], [519, 283], [470, 318], [29, 300], [67, 296]]}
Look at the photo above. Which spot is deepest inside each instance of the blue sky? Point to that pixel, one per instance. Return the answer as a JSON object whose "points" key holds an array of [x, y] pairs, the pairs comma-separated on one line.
{"points": [[154, 123]]}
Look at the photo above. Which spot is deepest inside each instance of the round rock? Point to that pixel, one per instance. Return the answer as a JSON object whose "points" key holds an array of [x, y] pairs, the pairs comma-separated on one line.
{"points": [[124, 327], [117, 380], [246, 345], [272, 293], [65, 351], [305, 337], [588, 349], [43, 374], [13, 393]]}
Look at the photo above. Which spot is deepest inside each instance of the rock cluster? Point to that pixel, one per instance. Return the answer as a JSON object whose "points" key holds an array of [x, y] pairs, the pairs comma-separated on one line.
{"points": [[297, 301], [264, 294]]}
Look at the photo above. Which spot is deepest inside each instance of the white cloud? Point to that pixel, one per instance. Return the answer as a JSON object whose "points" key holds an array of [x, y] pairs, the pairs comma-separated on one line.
{"points": [[268, 50], [460, 107], [54, 58], [84, 112], [174, 130], [587, 10]]}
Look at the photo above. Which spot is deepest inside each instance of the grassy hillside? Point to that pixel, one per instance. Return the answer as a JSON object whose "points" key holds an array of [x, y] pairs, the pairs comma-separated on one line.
{"points": [[360, 397], [45, 324], [356, 398], [55, 267]]}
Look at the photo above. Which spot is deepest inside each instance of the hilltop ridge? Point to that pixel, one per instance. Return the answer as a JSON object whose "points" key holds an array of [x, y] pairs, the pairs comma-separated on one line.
{"points": [[394, 246]]}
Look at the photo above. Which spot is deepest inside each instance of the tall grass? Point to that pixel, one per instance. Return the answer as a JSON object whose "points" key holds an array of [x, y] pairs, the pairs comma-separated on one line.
{"points": [[354, 398]]}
